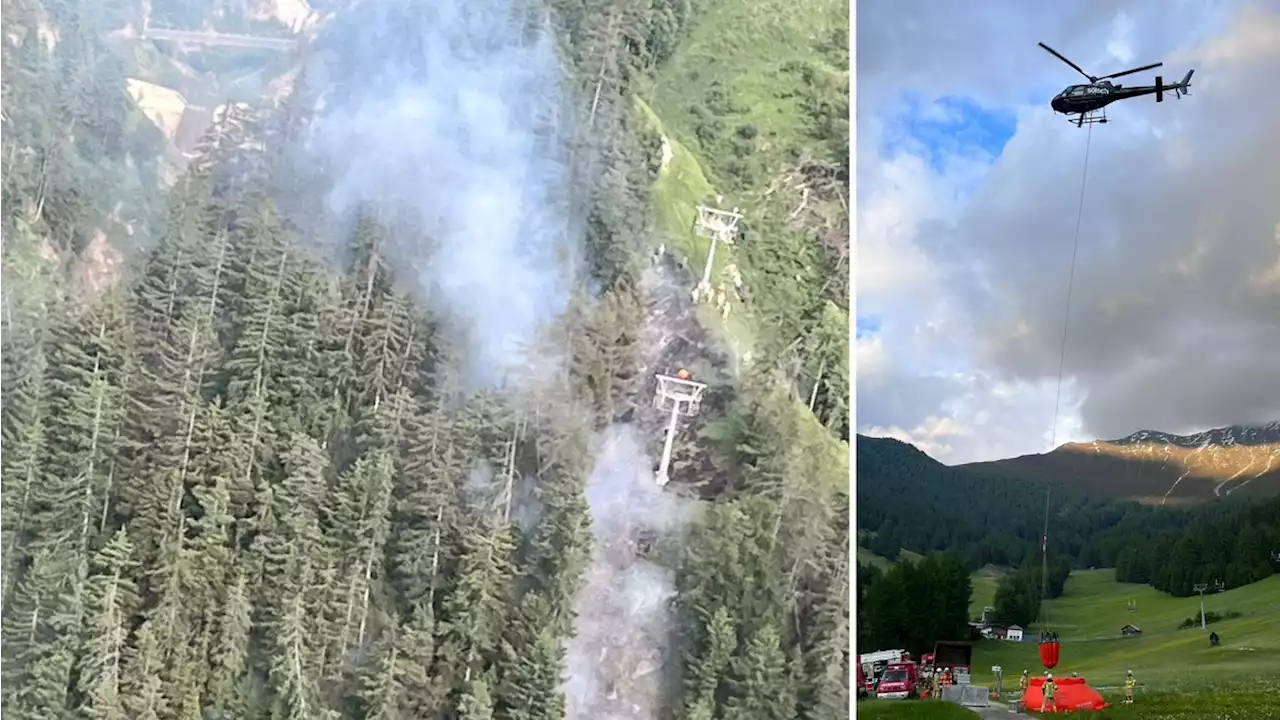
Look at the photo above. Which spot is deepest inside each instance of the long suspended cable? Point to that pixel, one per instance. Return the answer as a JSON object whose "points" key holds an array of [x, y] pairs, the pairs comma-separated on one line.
{"points": [[1057, 399]]}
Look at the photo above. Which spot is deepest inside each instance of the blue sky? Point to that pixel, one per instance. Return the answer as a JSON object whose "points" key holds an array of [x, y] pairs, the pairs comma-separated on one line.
{"points": [[967, 196], [941, 128]]}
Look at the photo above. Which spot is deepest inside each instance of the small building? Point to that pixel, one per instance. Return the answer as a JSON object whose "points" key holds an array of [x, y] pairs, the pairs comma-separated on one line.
{"points": [[998, 631], [1130, 630], [1013, 633]]}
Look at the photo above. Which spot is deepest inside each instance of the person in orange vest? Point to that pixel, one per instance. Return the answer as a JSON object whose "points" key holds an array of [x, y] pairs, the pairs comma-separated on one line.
{"points": [[1050, 689]]}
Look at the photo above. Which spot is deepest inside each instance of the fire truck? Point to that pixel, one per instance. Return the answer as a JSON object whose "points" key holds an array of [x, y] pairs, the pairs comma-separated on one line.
{"points": [[872, 665]]}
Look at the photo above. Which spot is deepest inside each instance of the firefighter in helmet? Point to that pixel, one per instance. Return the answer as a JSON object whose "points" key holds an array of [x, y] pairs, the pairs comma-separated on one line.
{"points": [[682, 374], [1050, 689], [1129, 683], [1024, 681]]}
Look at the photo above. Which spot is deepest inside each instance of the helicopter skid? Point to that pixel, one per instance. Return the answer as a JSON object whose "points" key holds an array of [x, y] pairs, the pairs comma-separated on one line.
{"points": [[1098, 117]]}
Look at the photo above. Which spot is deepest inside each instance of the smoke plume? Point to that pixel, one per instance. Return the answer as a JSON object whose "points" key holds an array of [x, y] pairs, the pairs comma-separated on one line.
{"points": [[619, 655], [447, 109]]}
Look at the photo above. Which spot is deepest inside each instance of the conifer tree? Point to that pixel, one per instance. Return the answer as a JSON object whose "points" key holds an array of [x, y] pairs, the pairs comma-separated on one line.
{"points": [[111, 600], [476, 702], [426, 513], [706, 673], [424, 691], [532, 661], [21, 463], [478, 607], [760, 680]]}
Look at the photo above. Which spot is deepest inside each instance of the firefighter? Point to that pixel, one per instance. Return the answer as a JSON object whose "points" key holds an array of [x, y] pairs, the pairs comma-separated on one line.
{"points": [[683, 374], [1050, 689], [1129, 684], [1023, 682]]}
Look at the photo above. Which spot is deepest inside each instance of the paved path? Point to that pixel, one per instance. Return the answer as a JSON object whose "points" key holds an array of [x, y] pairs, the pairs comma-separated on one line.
{"points": [[1000, 711]]}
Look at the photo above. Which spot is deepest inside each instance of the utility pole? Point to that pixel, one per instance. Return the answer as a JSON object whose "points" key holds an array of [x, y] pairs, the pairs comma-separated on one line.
{"points": [[681, 396], [720, 226], [1215, 586]]}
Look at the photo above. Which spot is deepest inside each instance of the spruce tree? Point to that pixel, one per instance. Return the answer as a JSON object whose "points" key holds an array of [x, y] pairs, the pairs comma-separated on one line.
{"points": [[760, 680]]}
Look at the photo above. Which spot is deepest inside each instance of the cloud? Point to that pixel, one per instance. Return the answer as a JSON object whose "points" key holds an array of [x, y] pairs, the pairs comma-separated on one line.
{"points": [[1118, 45], [964, 246], [930, 436]]}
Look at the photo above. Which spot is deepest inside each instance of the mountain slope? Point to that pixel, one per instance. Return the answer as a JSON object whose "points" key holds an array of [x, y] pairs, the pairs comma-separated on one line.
{"points": [[911, 501], [1158, 468], [770, 137]]}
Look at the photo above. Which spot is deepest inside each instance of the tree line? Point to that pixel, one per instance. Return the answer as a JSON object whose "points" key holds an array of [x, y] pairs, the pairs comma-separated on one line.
{"points": [[907, 500], [1020, 594], [913, 604], [1233, 544]]}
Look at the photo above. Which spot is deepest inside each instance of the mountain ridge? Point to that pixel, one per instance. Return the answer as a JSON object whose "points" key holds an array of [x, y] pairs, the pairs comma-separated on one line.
{"points": [[1155, 467]]}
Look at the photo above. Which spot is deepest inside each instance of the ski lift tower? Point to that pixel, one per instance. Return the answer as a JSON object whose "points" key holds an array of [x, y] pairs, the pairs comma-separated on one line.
{"points": [[681, 396], [1202, 588], [720, 226]]}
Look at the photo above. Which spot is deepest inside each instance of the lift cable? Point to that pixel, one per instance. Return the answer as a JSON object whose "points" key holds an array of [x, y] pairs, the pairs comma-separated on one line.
{"points": [[1057, 400]]}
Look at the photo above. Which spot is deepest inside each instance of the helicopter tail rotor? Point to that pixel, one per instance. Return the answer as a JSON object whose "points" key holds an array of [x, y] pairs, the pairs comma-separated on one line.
{"points": [[1184, 87]]}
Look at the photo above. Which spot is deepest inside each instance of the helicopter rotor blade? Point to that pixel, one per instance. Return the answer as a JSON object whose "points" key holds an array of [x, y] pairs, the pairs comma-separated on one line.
{"points": [[1058, 55], [1130, 72]]}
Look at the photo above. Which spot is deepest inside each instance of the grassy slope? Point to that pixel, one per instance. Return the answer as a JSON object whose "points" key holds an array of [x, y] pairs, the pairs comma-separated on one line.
{"points": [[680, 188], [729, 43], [744, 45], [984, 589], [1093, 608]]}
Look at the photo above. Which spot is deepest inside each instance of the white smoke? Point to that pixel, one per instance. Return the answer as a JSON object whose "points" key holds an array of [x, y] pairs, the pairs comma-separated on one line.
{"points": [[623, 635], [443, 108], [448, 109]]}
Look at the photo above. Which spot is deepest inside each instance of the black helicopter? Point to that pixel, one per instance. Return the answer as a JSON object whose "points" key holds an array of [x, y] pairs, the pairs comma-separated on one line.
{"points": [[1088, 101]]}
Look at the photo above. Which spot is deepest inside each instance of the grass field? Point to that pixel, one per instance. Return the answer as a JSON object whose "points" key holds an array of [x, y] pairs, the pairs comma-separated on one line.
{"points": [[1180, 676], [1259, 704], [866, 557], [912, 710], [1177, 670], [984, 589]]}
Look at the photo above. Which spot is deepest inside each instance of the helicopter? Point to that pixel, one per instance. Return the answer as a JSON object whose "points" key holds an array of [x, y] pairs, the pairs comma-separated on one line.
{"points": [[1089, 101]]}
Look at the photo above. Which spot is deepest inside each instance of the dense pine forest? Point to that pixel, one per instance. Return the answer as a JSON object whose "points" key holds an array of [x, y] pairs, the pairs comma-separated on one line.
{"points": [[1233, 545], [907, 500], [253, 472]]}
